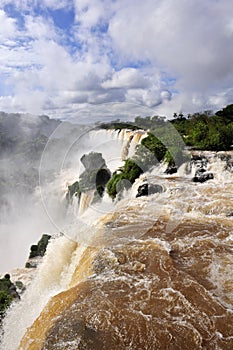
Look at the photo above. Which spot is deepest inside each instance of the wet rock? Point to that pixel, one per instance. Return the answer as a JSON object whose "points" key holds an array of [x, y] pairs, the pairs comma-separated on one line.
{"points": [[196, 157], [199, 161], [229, 165], [31, 264], [148, 189], [39, 249], [102, 177], [93, 161], [95, 176], [171, 170], [202, 176]]}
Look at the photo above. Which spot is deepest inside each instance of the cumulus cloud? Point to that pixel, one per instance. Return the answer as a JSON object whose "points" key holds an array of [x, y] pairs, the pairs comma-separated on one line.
{"points": [[127, 78], [190, 39], [7, 26], [29, 5], [176, 55]]}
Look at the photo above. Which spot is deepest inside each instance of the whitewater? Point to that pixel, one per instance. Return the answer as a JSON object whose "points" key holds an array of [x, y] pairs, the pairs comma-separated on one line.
{"points": [[153, 272]]}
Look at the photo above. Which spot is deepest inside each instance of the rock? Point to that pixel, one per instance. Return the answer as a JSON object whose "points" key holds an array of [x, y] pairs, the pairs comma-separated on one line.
{"points": [[229, 214], [196, 157], [73, 190], [199, 161], [93, 161], [229, 165], [31, 265], [102, 177], [202, 176], [148, 189], [170, 170], [96, 174], [201, 170], [39, 249]]}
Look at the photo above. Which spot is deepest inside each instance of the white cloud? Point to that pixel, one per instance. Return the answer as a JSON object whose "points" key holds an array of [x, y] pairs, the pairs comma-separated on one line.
{"points": [[126, 78], [56, 4], [187, 38], [39, 27], [7, 26], [149, 97], [157, 52], [89, 13], [29, 5]]}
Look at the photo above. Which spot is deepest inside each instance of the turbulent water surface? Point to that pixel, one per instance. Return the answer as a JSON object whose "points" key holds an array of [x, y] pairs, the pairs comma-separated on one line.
{"points": [[158, 273]]}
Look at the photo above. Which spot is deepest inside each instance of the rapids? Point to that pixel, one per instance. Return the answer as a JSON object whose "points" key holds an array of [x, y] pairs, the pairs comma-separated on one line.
{"points": [[155, 273]]}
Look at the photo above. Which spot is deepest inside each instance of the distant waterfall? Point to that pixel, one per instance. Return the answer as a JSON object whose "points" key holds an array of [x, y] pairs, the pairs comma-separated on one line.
{"points": [[85, 201], [130, 140], [115, 147]]}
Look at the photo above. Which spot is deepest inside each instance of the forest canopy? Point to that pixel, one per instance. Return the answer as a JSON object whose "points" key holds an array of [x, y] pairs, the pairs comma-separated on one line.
{"points": [[203, 130]]}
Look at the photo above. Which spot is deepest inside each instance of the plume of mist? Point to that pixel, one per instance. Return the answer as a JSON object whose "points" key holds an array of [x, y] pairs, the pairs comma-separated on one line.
{"points": [[23, 217]]}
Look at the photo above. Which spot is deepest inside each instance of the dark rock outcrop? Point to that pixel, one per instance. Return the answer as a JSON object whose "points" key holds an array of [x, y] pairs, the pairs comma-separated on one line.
{"points": [[93, 178], [199, 161], [8, 293], [73, 190], [39, 249], [171, 170], [202, 176], [93, 161], [148, 189]]}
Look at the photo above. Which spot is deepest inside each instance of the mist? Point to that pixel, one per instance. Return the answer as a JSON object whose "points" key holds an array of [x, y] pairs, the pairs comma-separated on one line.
{"points": [[23, 215]]}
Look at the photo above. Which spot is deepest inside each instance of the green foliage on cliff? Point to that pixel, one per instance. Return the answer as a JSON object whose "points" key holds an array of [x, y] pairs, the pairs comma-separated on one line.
{"points": [[94, 177], [39, 249], [144, 123], [155, 146], [123, 178], [5, 301], [8, 292], [118, 125], [207, 131], [204, 131]]}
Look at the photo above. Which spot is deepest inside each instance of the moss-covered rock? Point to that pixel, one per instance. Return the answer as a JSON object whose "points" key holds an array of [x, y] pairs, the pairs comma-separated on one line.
{"points": [[94, 177], [39, 249], [123, 178], [73, 190], [8, 293]]}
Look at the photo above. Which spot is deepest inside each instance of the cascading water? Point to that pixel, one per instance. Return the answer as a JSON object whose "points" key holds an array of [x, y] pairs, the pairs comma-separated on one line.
{"points": [[162, 263]]}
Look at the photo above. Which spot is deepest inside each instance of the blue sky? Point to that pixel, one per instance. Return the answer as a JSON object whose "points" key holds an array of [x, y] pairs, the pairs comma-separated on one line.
{"points": [[62, 57]]}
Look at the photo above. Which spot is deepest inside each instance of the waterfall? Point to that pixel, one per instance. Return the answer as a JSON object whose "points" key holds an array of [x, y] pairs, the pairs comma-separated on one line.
{"points": [[115, 147], [130, 140], [137, 266], [85, 201], [53, 276]]}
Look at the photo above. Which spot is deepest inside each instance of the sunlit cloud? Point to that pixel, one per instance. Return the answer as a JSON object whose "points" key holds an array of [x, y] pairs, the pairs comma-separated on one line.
{"points": [[66, 54]]}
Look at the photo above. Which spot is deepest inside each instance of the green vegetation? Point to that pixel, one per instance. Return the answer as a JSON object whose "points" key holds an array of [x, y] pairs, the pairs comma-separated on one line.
{"points": [[144, 123], [5, 301], [123, 178], [39, 249], [165, 141], [207, 131], [118, 125], [8, 293], [202, 131], [94, 177], [155, 146]]}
